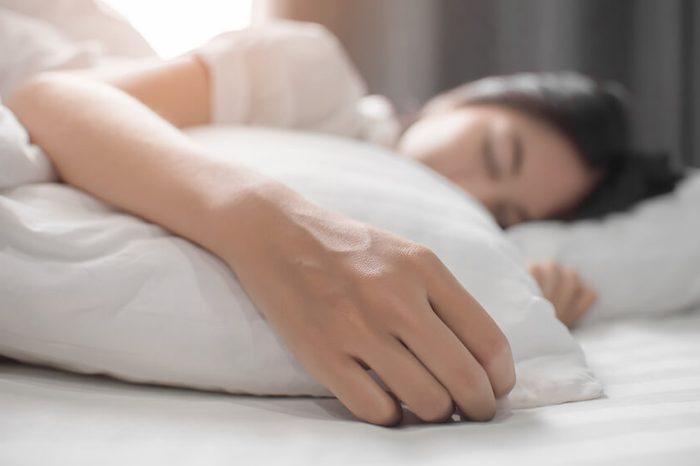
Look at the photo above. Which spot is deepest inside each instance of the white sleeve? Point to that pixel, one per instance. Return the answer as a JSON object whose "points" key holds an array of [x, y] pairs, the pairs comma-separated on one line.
{"points": [[284, 74]]}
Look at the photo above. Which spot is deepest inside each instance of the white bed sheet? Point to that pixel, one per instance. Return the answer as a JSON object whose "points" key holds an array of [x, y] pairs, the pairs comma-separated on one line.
{"points": [[651, 415]]}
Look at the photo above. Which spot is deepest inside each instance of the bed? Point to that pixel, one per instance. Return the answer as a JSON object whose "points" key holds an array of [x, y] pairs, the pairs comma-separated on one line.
{"points": [[648, 365], [650, 415]]}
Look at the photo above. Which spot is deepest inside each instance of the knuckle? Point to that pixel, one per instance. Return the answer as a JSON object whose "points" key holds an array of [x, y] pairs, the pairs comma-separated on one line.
{"points": [[499, 353], [422, 255], [408, 323], [475, 397], [467, 378], [484, 413], [391, 311], [500, 367], [505, 382], [385, 413], [438, 409], [478, 408]]}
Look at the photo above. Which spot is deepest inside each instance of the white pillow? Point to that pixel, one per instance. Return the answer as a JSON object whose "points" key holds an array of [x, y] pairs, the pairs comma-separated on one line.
{"points": [[89, 289], [20, 161], [642, 262]]}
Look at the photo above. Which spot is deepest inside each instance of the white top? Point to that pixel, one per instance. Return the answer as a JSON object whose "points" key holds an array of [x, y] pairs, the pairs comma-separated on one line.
{"points": [[294, 75], [282, 74]]}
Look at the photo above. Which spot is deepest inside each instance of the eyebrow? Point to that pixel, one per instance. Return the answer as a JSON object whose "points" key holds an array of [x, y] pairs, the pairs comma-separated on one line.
{"points": [[518, 153]]}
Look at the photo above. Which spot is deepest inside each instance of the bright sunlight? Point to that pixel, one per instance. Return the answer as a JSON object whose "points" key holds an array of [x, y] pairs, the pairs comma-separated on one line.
{"points": [[174, 27]]}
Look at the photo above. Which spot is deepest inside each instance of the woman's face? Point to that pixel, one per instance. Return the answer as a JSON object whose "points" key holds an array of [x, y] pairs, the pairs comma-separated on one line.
{"points": [[519, 167]]}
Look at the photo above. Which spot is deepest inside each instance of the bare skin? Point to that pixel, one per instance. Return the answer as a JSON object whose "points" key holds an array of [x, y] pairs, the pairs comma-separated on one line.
{"points": [[115, 135], [520, 168], [562, 286]]}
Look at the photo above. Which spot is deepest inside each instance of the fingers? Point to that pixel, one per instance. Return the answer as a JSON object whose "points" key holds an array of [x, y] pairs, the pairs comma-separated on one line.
{"points": [[451, 363], [568, 286], [424, 395], [549, 279], [360, 393], [583, 303], [461, 315], [563, 287]]}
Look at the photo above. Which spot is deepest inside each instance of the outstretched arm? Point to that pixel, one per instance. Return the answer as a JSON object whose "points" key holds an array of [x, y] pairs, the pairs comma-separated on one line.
{"points": [[107, 143], [334, 289]]}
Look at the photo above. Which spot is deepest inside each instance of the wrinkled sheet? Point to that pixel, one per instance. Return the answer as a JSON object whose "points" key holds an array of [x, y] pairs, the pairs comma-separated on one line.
{"points": [[651, 415]]}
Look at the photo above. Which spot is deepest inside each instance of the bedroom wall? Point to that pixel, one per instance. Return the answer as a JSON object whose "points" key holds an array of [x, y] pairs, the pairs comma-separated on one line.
{"points": [[394, 43], [410, 49]]}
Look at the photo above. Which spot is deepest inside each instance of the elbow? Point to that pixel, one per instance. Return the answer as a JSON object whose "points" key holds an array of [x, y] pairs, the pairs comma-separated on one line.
{"points": [[25, 100]]}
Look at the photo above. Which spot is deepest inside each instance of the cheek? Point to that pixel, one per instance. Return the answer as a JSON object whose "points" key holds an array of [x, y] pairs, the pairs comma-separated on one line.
{"points": [[562, 190], [482, 189]]}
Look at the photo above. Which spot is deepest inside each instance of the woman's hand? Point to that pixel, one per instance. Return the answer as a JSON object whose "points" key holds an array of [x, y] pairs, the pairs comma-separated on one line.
{"points": [[563, 287], [345, 296]]}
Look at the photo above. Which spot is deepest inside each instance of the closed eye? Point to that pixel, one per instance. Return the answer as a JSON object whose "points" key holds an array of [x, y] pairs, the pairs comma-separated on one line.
{"points": [[518, 154], [489, 157]]}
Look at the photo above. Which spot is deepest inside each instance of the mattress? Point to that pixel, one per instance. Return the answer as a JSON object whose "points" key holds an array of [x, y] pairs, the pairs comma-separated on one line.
{"points": [[649, 415]]}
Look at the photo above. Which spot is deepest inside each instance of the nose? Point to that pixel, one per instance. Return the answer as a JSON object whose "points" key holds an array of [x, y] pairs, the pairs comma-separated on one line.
{"points": [[488, 194]]}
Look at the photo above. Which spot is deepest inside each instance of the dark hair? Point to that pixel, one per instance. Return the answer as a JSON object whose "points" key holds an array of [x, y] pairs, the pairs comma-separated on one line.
{"points": [[592, 115]]}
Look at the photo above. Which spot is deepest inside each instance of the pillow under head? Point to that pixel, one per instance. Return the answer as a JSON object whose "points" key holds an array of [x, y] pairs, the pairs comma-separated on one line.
{"points": [[642, 262]]}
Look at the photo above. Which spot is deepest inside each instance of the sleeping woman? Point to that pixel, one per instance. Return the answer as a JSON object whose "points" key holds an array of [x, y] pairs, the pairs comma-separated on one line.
{"points": [[540, 146], [529, 147]]}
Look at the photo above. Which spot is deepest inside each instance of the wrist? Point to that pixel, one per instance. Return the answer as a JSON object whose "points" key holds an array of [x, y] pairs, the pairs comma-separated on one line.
{"points": [[248, 217]]}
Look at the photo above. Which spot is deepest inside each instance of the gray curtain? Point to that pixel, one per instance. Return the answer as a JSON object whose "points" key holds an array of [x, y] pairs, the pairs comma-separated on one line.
{"points": [[411, 49]]}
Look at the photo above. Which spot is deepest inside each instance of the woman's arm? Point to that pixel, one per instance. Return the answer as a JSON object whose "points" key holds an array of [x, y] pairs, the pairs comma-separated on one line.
{"points": [[108, 144], [178, 90], [341, 294]]}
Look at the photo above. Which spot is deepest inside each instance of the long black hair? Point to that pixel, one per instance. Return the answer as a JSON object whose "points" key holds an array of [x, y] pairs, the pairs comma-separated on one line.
{"points": [[591, 114]]}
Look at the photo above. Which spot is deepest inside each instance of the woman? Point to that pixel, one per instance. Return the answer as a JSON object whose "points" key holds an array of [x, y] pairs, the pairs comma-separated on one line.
{"points": [[115, 134]]}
